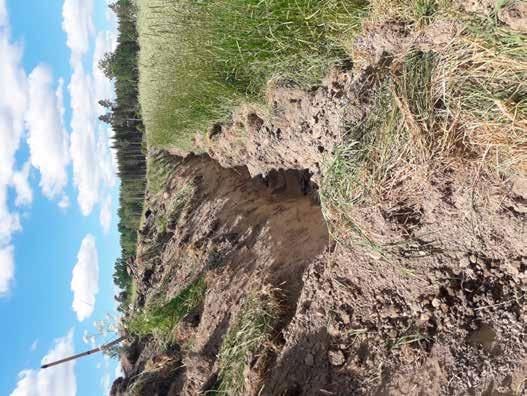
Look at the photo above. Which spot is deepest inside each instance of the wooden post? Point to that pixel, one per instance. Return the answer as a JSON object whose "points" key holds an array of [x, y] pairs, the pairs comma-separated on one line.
{"points": [[95, 350]]}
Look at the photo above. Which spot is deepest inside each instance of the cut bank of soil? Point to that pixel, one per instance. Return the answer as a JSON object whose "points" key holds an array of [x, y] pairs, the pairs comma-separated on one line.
{"points": [[436, 306], [441, 310]]}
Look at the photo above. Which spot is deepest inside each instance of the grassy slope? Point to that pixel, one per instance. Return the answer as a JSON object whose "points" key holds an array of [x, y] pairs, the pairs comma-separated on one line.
{"points": [[201, 59]]}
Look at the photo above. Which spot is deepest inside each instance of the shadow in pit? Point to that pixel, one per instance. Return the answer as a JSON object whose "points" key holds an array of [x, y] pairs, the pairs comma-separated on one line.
{"points": [[277, 224], [305, 369]]}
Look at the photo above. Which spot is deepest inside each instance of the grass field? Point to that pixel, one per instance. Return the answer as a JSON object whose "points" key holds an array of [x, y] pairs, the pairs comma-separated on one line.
{"points": [[199, 60]]}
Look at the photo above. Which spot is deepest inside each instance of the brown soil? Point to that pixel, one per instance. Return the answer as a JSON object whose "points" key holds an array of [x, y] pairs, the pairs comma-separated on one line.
{"points": [[436, 306], [441, 311]]}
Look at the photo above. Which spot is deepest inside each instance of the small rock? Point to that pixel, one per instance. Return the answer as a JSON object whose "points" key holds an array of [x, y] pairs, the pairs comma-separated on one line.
{"points": [[166, 195], [345, 318], [464, 262], [425, 317], [473, 259], [436, 302], [309, 360], [333, 330], [512, 269], [336, 358]]}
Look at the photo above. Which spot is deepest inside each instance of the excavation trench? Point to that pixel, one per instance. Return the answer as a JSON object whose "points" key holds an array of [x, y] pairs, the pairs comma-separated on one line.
{"points": [[244, 232]]}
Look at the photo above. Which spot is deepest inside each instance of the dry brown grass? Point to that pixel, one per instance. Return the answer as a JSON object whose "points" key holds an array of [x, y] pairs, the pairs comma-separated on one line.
{"points": [[462, 107]]}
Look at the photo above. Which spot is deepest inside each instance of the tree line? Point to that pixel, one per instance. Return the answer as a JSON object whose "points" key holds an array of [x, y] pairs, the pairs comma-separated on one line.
{"points": [[123, 114]]}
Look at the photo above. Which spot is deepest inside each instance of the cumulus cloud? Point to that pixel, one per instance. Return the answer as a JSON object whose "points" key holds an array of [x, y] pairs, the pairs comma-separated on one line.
{"points": [[47, 138], [77, 22], [3, 13], [34, 345], [105, 383], [118, 371], [54, 381], [64, 202], [105, 216], [7, 269], [103, 88], [85, 279], [86, 169], [13, 103], [91, 155], [20, 181]]}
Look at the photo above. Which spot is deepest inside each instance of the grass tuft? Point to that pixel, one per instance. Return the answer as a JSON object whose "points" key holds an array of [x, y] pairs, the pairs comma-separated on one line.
{"points": [[246, 338], [160, 320], [464, 106]]}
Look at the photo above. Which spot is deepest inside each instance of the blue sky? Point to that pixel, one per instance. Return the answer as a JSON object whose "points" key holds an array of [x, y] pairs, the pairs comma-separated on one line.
{"points": [[58, 195]]}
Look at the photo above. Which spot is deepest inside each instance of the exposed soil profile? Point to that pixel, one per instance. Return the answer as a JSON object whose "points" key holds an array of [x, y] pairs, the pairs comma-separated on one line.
{"points": [[421, 292], [443, 312]]}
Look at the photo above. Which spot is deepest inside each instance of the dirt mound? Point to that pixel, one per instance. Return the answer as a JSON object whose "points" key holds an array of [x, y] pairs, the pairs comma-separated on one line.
{"points": [[510, 13], [439, 310], [301, 132], [441, 313]]}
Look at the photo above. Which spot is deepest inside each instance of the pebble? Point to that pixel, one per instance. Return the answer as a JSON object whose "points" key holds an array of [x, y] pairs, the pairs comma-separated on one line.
{"points": [[436, 303], [464, 262], [344, 317], [336, 358]]}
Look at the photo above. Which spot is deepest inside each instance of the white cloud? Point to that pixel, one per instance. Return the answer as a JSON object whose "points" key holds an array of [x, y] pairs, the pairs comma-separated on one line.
{"points": [[86, 170], [3, 14], [13, 102], [34, 345], [103, 88], [47, 139], [20, 181], [90, 150], [105, 216], [54, 381], [107, 167], [93, 163], [7, 269], [64, 202], [85, 279], [118, 371], [78, 24], [105, 383]]}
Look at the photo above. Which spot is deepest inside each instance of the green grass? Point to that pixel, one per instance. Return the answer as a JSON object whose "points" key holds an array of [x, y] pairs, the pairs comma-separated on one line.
{"points": [[131, 292], [245, 339], [408, 340], [174, 209], [200, 59], [158, 170], [363, 168], [160, 319]]}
